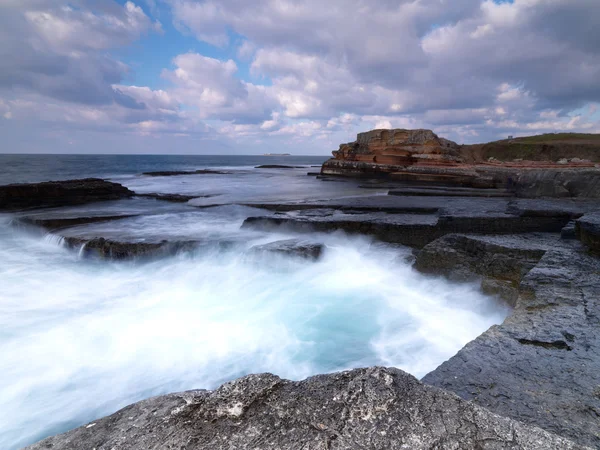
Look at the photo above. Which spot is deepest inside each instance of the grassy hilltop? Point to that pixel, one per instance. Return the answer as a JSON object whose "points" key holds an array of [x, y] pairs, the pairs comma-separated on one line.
{"points": [[543, 147]]}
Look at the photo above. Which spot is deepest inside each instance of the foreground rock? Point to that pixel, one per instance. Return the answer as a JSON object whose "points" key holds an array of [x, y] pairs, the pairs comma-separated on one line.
{"points": [[373, 408], [542, 365], [60, 193], [421, 157]]}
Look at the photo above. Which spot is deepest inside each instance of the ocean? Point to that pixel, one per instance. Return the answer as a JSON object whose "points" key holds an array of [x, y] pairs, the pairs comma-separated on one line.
{"points": [[81, 338]]}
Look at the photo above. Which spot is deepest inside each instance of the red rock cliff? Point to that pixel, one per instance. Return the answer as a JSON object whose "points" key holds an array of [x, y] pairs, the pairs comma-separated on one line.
{"points": [[400, 147]]}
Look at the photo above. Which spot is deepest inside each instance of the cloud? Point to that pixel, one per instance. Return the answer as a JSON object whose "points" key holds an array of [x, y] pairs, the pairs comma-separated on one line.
{"points": [[413, 57], [211, 86], [59, 49], [306, 70]]}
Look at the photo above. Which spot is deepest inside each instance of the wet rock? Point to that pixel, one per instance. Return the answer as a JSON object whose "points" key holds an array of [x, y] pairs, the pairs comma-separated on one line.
{"points": [[57, 223], [462, 257], [373, 408], [292, 247], [60, 193], [450, 192], [414, 230], [173, 173], [176, 198], [331, 179], [499, 262], [542, 365], [362, 204], [114, 250], [278, 166]]}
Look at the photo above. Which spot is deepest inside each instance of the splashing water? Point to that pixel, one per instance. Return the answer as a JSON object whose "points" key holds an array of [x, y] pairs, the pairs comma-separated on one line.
{"points": [[80, 339]]}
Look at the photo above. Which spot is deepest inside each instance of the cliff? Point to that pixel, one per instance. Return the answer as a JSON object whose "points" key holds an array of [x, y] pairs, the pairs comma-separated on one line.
{"points": [[548, 165], [399, 147]]}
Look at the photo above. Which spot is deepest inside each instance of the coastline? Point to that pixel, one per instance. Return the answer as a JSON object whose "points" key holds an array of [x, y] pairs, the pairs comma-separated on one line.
{"points": [[537, 254]]}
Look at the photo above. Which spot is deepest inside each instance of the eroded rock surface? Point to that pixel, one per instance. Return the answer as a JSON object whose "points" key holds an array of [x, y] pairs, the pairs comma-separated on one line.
{"points": [[399, 147], [373, 408]]}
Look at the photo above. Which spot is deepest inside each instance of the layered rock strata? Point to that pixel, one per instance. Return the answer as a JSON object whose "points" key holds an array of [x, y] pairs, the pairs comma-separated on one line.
{"points": [[421, 157]]}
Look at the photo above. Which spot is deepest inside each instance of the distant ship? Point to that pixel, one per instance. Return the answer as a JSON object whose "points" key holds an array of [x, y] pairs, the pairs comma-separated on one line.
{"points": [[276, 154]]}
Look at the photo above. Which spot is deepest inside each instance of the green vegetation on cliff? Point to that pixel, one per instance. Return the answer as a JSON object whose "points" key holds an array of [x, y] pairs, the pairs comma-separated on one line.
{"points": [[543, 147]]}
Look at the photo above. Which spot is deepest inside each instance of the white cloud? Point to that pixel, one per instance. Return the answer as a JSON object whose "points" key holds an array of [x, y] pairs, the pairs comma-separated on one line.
{"points": [[308, 70]]}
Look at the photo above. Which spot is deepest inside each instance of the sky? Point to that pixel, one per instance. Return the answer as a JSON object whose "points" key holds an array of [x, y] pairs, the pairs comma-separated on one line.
{"points": [[290, 76]]}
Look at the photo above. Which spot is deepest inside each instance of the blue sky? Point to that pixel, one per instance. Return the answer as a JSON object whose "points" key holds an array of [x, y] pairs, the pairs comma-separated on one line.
{"points": [[301, 76]]}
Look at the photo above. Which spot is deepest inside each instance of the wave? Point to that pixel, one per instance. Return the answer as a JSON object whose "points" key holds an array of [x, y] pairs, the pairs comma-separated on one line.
{"points": [[81, 339]]}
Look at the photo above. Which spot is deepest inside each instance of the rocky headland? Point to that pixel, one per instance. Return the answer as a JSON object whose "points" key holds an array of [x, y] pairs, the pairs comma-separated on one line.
{"points": [[545, 166], [532, 382]]}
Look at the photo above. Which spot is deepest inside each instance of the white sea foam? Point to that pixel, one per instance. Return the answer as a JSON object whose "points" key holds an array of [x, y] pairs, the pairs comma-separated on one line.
{"points": [[80, 339]]}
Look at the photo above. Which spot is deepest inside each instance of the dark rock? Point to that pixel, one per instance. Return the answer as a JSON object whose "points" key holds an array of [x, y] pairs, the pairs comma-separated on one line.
{"points": [[403, 229], [51, 224], [278, 166], [462, 257], [587, 230], [450, 192], [292, 247], [531, 183], [373, 408], [349, 206], [172, 173], [176, 198], [412, 230], [499, 262], [60, 193], [331, 179], [542, 365], [569, 231], [115, 250]]}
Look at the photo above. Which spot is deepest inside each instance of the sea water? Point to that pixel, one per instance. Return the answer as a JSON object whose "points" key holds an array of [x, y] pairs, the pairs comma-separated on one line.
{"points": [[81, 338]]}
